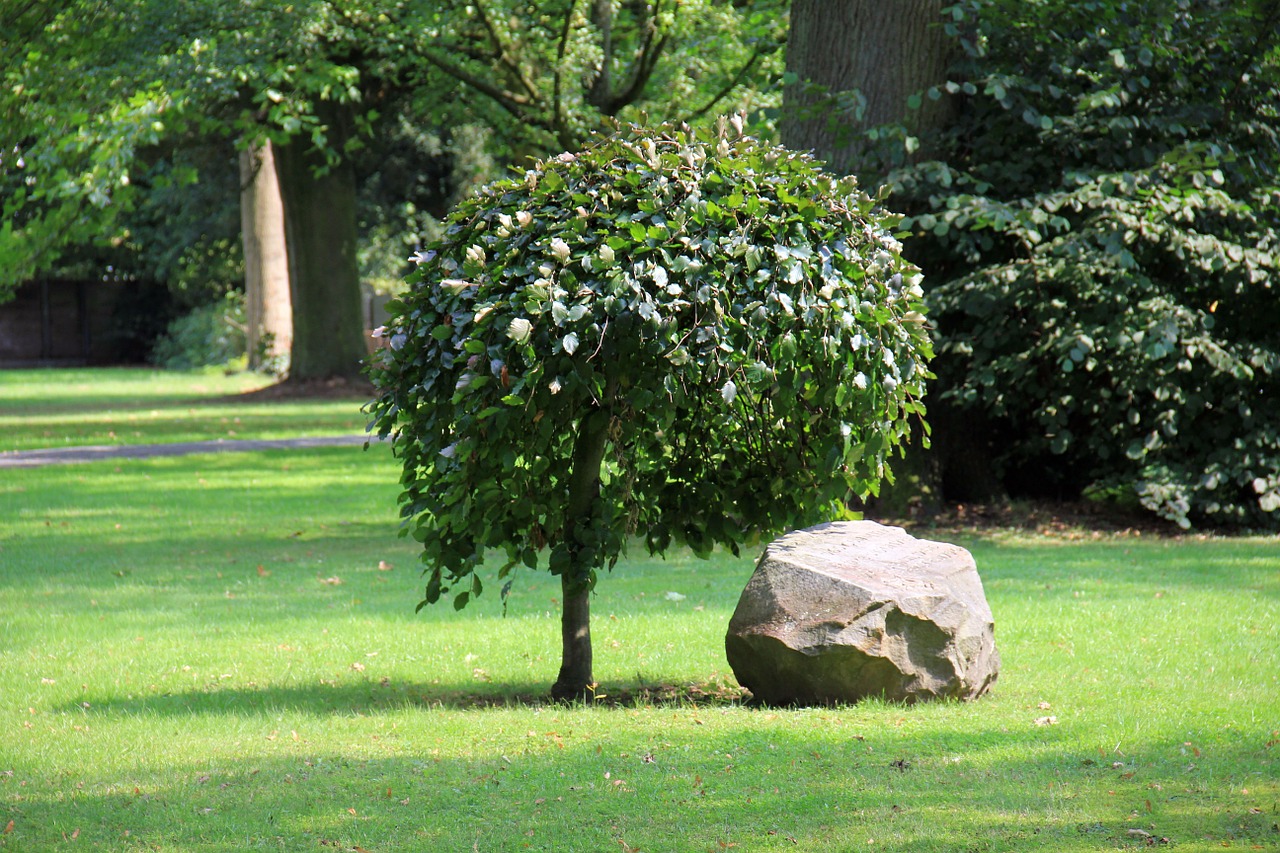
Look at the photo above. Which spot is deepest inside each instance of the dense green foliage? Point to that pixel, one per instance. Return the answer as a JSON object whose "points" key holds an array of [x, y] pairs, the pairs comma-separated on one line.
{"points": [[212, 335], [738, 325], [551, 73], [1101, 235], [100, 98]]}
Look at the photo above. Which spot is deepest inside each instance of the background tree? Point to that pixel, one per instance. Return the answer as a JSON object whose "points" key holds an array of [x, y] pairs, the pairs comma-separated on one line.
{"points": [[1098, 220], [254, 72], [548, 74], [691, 337], [269, 308], [305, 78], [863, 66], [856, 76]]}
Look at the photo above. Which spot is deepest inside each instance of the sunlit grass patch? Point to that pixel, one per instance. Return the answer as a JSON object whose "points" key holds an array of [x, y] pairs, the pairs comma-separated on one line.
{"points": [[220, 652], [59, 408]]}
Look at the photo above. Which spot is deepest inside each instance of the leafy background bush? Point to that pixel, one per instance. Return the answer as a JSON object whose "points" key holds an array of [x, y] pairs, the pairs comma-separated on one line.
{"points": [[212, 335], [1101, 228]]}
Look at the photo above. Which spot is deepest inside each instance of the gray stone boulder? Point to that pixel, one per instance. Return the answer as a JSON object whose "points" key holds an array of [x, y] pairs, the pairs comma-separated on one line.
{"points": [[851, 610]]}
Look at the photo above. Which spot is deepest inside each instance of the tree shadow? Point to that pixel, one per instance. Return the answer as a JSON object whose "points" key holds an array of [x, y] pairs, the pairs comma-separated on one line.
{"points": [[344, 699], [792, 785]]}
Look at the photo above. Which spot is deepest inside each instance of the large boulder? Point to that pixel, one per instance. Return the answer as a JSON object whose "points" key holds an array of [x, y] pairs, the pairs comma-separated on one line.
{"points": [[850, 610]]}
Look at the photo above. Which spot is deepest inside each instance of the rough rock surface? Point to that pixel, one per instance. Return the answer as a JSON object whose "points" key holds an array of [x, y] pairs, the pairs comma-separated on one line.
{"points": [[850, 610]]}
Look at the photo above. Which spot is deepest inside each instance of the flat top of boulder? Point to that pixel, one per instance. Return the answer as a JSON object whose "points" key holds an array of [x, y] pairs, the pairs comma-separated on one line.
{"points": [[868, 546]]}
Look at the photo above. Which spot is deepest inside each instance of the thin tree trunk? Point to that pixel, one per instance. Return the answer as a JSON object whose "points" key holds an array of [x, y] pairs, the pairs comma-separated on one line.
{"points": [[887, 51], [576, 679], [320, 227], [266, 261], [576, 676]]}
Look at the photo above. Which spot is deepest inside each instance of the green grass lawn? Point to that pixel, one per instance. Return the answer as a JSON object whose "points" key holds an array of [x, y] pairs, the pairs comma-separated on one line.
{"points": [[220, 653], [59, 408]]}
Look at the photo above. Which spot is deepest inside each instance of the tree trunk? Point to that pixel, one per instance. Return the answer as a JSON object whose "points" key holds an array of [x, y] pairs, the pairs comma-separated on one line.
{"points": [[887, 51], [576, 680], [266, 262], [320, 229]]}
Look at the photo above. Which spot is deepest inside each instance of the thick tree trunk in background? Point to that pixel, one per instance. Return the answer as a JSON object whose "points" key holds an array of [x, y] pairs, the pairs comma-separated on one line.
{"points": [[320, 228], [576, 680], [266, 262], [888, 51]]}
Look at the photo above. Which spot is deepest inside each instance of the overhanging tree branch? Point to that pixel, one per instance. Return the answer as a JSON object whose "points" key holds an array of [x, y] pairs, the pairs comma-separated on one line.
{"points": [[733, 83], [506, 56]]}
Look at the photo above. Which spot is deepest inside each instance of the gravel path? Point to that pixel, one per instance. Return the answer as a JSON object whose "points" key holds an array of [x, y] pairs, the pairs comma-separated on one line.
{"points": [[94, 453]]}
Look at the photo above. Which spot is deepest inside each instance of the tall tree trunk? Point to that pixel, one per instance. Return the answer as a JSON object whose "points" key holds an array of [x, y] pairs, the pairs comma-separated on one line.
{"points": [[266, 262], [887, 51], [576, 679], [320, 229]]}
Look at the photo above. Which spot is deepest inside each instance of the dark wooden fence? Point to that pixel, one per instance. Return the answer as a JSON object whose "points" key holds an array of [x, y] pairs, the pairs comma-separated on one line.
{"points": [[56, 321]]}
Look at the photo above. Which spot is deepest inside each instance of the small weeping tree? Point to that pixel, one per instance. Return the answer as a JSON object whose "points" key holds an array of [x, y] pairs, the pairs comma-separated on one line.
{"points": [[676, 337]]}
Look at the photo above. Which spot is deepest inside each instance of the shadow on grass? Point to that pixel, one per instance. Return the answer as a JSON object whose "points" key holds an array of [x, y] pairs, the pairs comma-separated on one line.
{"points": [[374, 696], [839, 782]]}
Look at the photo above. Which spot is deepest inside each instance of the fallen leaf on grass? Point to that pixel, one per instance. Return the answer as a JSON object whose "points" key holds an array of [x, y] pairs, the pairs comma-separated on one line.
{"points": [[1046, 721], [263, 573], [331, 581], [8, 828]]}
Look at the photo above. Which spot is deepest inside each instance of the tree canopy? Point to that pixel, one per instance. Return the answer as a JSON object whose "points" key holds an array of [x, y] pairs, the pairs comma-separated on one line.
{"points": [[686, 336]]}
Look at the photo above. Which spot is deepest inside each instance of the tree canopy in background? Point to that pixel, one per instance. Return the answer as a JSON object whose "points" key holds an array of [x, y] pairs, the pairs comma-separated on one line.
{"points": [[558, 70], [105, 98]]}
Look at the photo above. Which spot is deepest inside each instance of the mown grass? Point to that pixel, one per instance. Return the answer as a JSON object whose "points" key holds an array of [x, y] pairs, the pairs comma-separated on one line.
{"points": [[220, 653], [46, 408]]}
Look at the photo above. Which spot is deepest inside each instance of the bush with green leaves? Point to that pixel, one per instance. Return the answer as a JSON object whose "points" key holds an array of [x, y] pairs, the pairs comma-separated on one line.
{"points": [[687, 337], [212, 335], [1101, 232]]}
